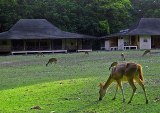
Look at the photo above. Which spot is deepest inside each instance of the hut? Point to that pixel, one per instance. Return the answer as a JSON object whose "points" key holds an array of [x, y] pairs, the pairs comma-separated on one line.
{"points": [[39, 35], [145, 34]]}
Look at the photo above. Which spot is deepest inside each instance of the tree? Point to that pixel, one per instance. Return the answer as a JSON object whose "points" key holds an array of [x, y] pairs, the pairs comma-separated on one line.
{"points": [[91, 17]]}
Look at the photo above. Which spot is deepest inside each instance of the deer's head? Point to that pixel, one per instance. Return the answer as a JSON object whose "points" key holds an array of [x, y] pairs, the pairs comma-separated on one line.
{"points": [[102, 91]]}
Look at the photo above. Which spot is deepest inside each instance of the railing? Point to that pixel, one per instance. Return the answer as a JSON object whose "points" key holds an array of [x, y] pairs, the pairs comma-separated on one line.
{"points": [[130, 47], [121, 47], [84, 50], [114, 48], [46, 51], [111, 48], [33, 48]]}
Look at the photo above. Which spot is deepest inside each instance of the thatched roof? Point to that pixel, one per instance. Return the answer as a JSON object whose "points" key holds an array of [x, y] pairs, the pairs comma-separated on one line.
{"points": [[116, 35], [38, 29], [145, 26]]}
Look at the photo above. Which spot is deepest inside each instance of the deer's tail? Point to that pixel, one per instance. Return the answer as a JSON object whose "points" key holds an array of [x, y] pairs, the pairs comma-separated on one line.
{"points": [[140, 73]]}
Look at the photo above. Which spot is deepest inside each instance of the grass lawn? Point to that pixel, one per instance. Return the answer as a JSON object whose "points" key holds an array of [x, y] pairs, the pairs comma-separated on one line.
{"points": [[71, 85]]}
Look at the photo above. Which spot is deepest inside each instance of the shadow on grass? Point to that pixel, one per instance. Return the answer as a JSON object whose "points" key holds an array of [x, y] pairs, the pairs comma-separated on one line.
{"points": [[118, 107], [84, 107]]}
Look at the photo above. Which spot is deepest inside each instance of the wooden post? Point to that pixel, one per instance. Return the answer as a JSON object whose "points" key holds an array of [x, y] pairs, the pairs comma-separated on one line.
{"points": [[49, 44], [65, 44], [24, 48], [39, 44], [77, 43]]}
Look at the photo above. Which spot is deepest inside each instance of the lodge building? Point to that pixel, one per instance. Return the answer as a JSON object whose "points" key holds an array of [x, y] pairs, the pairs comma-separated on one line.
{"points": [[145, 34], [39, 35]]}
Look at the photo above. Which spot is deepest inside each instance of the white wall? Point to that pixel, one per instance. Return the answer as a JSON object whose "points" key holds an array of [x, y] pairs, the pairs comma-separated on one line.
{"points": [[107, 45], [145, 42], [120, 44]]}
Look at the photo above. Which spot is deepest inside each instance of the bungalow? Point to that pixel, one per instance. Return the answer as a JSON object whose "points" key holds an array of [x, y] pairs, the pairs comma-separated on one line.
{"points": [[39, 35], [143, 35]]}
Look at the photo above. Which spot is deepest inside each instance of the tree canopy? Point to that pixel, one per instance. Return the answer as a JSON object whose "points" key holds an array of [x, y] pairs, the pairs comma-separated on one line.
{"points": [[91, 17]]}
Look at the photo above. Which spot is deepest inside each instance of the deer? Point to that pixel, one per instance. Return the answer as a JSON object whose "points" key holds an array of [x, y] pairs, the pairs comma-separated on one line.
{"points": [[122, 56], [40, 54], [130, 72], [51, 60], [113, 64], [146, 52], [86, 52]]}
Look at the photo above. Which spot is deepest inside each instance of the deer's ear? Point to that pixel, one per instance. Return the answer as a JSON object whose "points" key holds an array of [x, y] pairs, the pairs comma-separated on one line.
{"points": [[100, 84]]}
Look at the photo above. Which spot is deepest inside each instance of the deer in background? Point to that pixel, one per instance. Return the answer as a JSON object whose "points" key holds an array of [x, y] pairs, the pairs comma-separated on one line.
{"points": [[51, 60], [124, 72], [86, 52], [146, 52], [113, 64], [40, 54], [122, 56]]}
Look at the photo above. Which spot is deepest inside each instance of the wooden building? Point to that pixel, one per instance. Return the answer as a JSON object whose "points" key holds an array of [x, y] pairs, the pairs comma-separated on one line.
{"points": [[145, 34], [39, 35]]}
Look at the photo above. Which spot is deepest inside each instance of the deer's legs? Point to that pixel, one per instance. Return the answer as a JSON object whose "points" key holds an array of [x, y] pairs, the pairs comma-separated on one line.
{"points": [[121, 87], [142, 85], [134, 89], [115, 92]]}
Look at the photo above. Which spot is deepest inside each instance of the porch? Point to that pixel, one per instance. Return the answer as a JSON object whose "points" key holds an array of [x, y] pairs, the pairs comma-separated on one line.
{"points": [[155, 42], [50, 46], [122, 43], [124, 48], [31, 52]]}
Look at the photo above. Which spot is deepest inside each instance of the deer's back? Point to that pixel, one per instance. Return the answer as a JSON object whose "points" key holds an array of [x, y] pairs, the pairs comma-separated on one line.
{"points": [[118, 71], [124, 70], [114, 64], [52, 60], [147, 51]]}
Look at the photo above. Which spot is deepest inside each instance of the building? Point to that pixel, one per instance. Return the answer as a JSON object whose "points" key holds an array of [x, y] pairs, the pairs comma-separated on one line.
{"points": [[39, 35], [145, 34]]}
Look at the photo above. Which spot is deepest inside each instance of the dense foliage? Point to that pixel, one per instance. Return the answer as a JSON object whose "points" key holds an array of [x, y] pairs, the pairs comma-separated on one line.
{"points": [[92, 17]]}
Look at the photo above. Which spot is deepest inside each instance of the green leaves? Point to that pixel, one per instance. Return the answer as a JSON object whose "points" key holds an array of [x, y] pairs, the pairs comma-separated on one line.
{"points": [[92, 17], [104, 26]]}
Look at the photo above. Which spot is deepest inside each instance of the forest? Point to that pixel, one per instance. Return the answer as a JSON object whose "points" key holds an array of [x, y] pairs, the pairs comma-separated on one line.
{"points": [[90, 17]]}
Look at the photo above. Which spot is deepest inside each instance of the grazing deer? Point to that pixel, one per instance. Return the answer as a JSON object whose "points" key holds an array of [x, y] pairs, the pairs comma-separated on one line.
{"points": [[122, 56], [40, 54], [86, 52], [36, 107], [113, 64], [124, 72], [51, 60], [146, 51]]}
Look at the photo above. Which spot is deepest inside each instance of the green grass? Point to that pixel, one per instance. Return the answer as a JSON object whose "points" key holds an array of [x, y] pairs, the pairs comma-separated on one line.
{"points": [[71, 85]]}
